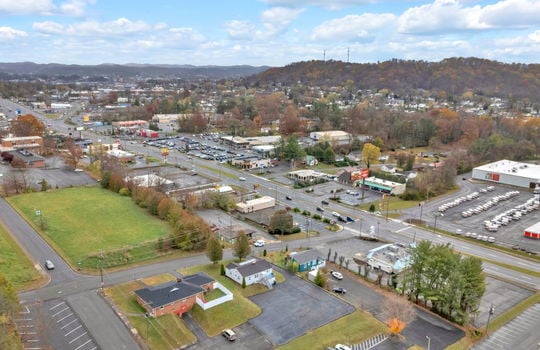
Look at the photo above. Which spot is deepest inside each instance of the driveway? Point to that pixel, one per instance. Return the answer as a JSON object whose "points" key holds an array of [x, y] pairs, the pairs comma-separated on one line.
{"points": [[295, 307]]}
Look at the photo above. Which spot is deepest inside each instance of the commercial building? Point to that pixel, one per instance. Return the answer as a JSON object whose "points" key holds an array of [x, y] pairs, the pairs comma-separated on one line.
{"points": [[508, 172], [533, 231], [256, 204], [27, 143], [336, 137], [384, 186]]}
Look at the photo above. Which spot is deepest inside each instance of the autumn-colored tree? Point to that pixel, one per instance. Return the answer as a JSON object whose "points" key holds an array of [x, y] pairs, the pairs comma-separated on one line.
{"points": [[27, 125], [241, 248], [370, 153], [397, 312], [74, 153], [289, 123]]}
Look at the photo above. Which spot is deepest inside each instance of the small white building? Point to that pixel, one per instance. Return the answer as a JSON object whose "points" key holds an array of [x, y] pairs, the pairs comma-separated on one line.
{"points": [[252, 271], [256, 204], [337, 137]]}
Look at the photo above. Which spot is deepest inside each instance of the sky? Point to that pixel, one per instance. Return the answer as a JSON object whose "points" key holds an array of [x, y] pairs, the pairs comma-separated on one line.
{"points": [[266, 32]]}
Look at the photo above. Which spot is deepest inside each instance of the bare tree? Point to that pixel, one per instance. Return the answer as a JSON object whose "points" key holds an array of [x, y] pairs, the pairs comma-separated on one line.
{"points": [[397, 313]]}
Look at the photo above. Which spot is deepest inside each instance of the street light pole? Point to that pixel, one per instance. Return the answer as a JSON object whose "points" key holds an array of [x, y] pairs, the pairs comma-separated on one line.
{"points": [[307, 230], [491, 311], [428, 343]]}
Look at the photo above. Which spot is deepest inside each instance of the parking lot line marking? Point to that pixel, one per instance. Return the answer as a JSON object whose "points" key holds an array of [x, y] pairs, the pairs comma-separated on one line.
{"points": [[22, 319], [27, 311], [70, 322], [57, 305], [80, 346], [78, 337], [59, 312], [73, 330], [63, 318]]}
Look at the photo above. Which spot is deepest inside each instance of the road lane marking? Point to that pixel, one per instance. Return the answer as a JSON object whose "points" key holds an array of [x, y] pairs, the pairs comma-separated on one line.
{"points": [[57, 305], [59, 312], [78, 337], [403, 229], [73, 330]]}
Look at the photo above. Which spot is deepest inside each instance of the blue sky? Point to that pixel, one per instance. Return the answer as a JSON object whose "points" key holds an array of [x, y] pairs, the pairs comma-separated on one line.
{"points": [[266, 32]]}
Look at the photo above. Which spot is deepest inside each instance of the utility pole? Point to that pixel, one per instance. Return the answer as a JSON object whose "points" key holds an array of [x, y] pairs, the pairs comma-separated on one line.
{"points": [[101, 269]]}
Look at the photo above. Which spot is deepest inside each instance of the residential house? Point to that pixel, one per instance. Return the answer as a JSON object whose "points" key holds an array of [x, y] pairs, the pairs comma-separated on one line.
{"points": [[175, 297], [251, 271], [229, 234], [308, 260], [388, 168]]}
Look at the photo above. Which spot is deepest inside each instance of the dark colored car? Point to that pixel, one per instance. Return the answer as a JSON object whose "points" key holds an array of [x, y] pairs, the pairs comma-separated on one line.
{"points": [[288, 197], [339, 290], [320, 209], [324, 202]]}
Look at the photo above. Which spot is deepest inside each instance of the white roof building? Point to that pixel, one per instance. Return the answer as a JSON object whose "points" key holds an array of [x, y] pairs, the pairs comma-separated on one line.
{"points": [[509, 172]]}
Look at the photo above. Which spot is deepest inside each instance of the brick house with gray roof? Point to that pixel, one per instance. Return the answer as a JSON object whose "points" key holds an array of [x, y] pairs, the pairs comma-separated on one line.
{"points": [[175, 297]]}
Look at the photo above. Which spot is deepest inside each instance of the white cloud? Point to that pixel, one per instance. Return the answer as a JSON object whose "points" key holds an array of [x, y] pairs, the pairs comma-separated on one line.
{"points": [[328, 4], [535, 37], [25, 7], [75, 8], [118, 27], [352, 27], [239, 29], [7, 33], [277, 19], [444, 16], [184, 38]]}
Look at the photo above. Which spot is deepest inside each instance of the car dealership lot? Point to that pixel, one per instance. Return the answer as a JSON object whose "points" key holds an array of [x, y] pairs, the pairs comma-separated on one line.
{"points": [[493, 204]]}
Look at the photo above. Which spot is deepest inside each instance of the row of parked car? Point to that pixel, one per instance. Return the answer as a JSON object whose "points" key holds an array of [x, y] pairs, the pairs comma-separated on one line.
{"points": [[489, 203], [512, 214], [454, 203]]}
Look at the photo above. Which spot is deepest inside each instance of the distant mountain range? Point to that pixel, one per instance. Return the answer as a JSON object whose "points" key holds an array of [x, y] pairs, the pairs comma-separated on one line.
{"points": [[87, 72], [453, 76]]}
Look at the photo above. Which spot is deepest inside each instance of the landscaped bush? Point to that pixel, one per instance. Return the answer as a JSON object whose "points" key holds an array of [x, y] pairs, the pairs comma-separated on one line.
{"points": [[306, 213]]}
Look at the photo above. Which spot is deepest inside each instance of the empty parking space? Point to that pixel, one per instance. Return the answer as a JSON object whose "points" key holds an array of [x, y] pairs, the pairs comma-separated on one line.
{"points": [[516, 334], [69, 325], [53, 325], [294, 307]]}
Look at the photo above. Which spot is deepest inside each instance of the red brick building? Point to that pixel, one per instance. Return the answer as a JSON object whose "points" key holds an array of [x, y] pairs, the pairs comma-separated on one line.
{"points": [[175, 297]]}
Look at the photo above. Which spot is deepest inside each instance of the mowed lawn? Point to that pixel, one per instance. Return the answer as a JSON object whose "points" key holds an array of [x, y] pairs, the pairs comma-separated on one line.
{"points": [[14, 264], [84, 220]]}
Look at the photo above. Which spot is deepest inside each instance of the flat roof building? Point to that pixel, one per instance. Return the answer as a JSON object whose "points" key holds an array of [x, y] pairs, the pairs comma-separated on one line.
{"points": [[509, 172]]}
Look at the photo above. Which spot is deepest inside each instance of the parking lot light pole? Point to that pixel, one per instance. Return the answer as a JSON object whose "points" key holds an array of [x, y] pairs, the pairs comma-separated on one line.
{"points": [[435, 225], [428, 343], [490, 313]]}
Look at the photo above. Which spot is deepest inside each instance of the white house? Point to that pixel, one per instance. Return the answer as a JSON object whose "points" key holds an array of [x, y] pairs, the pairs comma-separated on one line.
{"points": [[252, 271], [388, 168]]}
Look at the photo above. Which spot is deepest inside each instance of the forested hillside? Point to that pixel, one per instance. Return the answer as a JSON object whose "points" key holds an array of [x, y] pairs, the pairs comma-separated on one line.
{"points": [[453, 76]]}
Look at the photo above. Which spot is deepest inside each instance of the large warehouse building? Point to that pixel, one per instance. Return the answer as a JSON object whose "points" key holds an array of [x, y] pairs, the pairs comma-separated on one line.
{"points": [[508, 172]]}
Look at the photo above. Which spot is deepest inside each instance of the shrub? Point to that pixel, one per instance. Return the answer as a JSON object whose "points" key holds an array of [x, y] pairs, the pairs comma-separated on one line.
{"points": [[124, 191]]}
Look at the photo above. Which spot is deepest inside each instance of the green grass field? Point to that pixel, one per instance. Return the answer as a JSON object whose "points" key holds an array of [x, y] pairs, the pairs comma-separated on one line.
{"points": [[80, 222], [14, 264]]}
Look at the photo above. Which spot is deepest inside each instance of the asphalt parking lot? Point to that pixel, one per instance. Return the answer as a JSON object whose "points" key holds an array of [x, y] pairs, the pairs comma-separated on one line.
{"points": [[53, 323], [294, 307], [508, 235]]}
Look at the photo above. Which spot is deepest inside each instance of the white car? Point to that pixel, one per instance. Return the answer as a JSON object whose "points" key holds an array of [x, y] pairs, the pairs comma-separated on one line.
{"points": [[242, 178], [337, 275], [342, 347], [259, 243], [336, 214]]}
